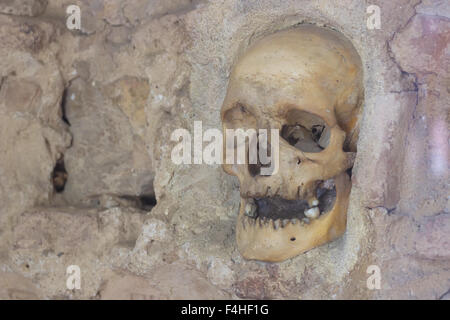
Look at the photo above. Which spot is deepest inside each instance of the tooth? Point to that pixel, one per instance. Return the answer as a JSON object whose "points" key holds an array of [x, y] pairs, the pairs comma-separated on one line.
{"points": [[250, 210], [313, 213], [294, 221], [313, 202], [259, 221], [305, 220], [285, 222], [276, 224]]}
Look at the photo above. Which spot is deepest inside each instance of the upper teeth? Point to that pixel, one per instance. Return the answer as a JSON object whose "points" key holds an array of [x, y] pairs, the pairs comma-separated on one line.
{"points": [[313, 202], [250, 210], [312, 213]]}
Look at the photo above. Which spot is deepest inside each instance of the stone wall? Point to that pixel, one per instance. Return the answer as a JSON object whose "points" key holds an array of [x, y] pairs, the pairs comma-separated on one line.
{"points": [[101, 103]]}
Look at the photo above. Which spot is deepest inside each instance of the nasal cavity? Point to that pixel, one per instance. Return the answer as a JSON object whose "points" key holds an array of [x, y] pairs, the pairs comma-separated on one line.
{"points": [[255, 168]]}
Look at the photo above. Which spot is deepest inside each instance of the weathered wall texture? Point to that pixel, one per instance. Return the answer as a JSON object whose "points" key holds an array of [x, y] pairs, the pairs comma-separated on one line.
{"points": [[105, 100]]}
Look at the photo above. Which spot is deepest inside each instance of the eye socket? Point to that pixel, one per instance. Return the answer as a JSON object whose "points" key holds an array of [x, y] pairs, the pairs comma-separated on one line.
{"points": [[305, 131]]}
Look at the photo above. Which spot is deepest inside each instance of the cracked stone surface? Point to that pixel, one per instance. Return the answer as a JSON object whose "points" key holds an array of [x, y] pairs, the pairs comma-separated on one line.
{"points": [[23, 7], [106, 99]]}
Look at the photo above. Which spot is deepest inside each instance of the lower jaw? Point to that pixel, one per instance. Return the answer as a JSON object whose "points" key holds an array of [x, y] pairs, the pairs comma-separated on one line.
{"points": [[277, 240]]}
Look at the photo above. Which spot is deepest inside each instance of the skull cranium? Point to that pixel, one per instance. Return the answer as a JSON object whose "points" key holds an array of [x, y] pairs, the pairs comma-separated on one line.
{"points": [[307, 83]]}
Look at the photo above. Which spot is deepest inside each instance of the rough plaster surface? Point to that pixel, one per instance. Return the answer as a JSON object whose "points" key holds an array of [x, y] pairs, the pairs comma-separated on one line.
{"points": [[139, 69]]}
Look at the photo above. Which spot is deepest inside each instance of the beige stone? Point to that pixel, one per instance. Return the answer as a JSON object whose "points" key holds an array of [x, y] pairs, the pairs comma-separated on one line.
{"points": [[141, 69], [169, 282], [23, 7], [16, 287]]}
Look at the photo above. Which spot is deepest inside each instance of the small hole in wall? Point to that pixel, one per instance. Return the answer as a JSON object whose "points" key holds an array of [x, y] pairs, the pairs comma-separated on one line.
{"points": [[59, 176], [147, 201], [293, 239], [143, 202]]}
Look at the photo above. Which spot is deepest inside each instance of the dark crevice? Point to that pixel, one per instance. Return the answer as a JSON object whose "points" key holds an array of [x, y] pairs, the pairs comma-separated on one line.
{"points": [[389, 211], [147, 201], [59, 176], [143, 202], [63, 107]]}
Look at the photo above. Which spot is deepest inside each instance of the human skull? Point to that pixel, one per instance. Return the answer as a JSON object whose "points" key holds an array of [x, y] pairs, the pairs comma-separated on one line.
{"points": [[307, 83]]}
